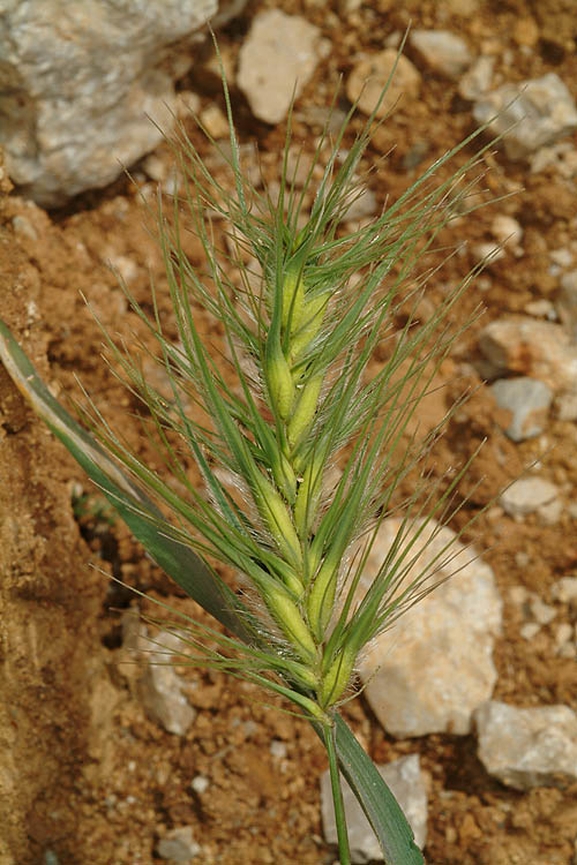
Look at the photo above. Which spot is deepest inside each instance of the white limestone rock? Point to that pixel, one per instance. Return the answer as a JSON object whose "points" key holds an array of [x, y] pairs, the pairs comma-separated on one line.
{"points": [[527, 748], [276, 61], [529, 115], [81, 82], [430, 671], [407, 783]]}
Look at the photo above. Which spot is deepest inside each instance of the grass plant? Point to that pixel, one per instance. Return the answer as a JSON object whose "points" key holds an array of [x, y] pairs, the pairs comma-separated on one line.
{"points": [[300, 450]]}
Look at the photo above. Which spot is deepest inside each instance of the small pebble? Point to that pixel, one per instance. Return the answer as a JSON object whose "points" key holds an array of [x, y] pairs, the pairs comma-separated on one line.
{"points": [[278, 749], [277, 59], [528, 402], [24, 228], [565, 589], [477, 80], [215, 122], [563, 634], [551, 512], [541, 308], [527, 495], [155, 168], [366, 82], [529, 115], [527, 748], [529, 631], [442, 51], [178, 845], [507, 231], [518, 595], [200, 784], [542, 613], [566, 302], [529, 347], [488, 252]]}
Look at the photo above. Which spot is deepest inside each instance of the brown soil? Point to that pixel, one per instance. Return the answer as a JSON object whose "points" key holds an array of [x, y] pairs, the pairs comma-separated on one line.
{"points": [[83, 773]]}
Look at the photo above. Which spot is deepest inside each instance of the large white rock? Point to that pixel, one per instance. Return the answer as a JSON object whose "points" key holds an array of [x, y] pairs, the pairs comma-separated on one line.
{"points": [[80, 82], [431, 671], [526, 748]]}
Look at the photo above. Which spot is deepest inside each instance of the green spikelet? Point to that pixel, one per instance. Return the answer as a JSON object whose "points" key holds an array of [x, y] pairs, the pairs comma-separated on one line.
{"points": [[289, 619], [320, 602], [277, 518], [311, 322], [308, 496], [279, 380], [293, 297], [304, 412], [337, 678]]}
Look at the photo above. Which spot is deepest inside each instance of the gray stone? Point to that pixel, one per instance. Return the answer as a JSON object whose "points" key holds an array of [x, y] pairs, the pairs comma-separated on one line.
{"points": [[528, 401], [81, 82], [178, 845], [431, 670], [529, 115], [527, 495], [527, 748], [161, 688], [407, 783], [442, 51], [276, 61]]}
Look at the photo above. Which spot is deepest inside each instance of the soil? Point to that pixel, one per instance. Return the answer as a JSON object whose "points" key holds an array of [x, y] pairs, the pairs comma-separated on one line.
{"points": [[85, 776]]}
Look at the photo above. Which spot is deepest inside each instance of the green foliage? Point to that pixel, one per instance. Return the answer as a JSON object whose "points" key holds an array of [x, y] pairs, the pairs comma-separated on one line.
{"points": [[300, 450]]}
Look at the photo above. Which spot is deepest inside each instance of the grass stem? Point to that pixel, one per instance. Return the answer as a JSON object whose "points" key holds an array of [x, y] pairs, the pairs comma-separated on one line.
{"points": [[337, 794]]}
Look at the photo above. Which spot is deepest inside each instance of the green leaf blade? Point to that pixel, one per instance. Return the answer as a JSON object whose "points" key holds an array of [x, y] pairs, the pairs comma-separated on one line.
{"points": [[138, 511]]}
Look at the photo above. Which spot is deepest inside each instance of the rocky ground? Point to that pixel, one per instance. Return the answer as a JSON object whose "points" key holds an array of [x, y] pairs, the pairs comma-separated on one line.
{"points": [[86, 774]]}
